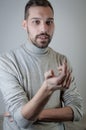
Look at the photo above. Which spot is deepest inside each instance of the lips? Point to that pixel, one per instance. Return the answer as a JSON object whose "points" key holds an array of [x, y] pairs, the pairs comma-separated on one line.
{"points": [[43, 37]]}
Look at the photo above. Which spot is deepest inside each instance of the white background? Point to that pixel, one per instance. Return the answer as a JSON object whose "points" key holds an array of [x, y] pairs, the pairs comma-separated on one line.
{"points": [[69, 37]]}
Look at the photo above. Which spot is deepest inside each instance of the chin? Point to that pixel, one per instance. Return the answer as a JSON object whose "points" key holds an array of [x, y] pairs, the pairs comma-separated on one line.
{"points": [[41, 44]]}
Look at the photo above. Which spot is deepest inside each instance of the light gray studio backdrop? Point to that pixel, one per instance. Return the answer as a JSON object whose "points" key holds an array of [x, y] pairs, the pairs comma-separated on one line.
{"points": [[69, 37]]}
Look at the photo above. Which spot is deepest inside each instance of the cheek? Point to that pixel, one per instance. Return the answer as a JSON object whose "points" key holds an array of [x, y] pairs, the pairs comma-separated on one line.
{"points": [[32, 31], [52, 30]]}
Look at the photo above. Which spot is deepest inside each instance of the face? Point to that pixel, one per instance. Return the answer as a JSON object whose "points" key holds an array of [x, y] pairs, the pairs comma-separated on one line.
{"points": [[40, 26]]}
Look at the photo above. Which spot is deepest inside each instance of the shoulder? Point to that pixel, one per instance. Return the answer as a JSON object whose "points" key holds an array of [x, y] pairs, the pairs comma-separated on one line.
{"points": [[12, 54], [10, 59]]}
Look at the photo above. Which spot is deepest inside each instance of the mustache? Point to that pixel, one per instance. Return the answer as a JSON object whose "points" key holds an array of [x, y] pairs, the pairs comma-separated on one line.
{"points": [[43, 34]]}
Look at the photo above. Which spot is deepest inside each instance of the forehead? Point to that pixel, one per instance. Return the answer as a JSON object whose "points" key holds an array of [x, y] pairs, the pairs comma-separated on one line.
{"points": [[40, 12]]}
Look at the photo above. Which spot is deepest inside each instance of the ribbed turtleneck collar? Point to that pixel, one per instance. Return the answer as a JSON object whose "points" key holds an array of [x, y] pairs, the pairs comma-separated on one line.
{"points": [[35, 50]]}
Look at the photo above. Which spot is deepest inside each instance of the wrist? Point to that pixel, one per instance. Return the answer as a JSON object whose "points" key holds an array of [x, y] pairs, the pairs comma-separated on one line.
{"points": [[47, 87]]}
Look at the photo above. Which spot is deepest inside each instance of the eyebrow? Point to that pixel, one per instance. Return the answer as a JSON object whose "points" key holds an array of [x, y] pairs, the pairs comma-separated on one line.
{"points": [[36, 18]]}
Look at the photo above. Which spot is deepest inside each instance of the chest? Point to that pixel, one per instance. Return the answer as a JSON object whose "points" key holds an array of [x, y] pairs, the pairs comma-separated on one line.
{"points": [[33, 77]]}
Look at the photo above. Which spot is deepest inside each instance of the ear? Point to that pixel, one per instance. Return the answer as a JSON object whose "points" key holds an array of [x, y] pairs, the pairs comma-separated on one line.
{"points": [[24, 24]]}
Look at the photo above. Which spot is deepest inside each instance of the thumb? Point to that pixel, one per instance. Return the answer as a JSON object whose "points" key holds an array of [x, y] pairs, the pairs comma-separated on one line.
{"points": [[49, 74]]}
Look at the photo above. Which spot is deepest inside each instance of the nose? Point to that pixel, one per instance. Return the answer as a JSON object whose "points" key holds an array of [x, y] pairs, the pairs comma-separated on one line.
{"points": [[44, 27]]}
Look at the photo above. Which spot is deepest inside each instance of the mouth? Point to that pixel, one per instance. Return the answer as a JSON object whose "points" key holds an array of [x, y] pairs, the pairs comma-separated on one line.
{"points": [[43, 37]]}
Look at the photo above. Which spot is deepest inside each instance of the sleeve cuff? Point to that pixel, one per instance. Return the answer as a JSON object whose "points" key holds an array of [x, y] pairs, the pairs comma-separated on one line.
{"points": [[21, 121]]}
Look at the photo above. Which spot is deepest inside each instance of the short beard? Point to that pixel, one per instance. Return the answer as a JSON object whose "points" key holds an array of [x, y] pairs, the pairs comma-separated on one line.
{"points": [[45, 44], [41, 46]]}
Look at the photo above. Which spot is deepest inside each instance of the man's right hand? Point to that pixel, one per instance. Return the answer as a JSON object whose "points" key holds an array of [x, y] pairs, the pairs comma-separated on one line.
{"points": [[62, 81]]}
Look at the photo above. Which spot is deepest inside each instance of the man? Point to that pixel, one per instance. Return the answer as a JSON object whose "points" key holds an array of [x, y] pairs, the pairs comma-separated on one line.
{"points": [[37, 83]]}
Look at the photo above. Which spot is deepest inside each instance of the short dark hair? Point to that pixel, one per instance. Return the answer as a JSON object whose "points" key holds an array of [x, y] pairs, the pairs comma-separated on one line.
{"points": [[30, 3]]}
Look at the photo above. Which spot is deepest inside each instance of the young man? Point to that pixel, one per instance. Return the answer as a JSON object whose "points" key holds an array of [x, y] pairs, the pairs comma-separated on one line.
{"points": [[35, 80]]}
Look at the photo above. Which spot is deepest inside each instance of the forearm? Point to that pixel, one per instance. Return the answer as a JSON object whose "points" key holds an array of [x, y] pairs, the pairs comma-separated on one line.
{"points": [[56, 115], [32, 109]]}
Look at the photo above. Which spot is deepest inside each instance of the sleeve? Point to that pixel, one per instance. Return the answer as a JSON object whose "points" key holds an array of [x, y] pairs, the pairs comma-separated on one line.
{"points": [[72, 98], [13, 93]]}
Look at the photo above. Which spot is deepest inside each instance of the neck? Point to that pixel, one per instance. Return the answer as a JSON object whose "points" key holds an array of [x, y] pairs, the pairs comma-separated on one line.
{"points": [[34, 49]]}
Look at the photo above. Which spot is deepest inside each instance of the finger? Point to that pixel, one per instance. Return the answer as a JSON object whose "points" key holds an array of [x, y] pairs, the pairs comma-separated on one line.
{"points": [[61, 87], [11, 119], [60, 78], [6, 114], [67, 80], [64, 61], [62, 68], [49, 74]]}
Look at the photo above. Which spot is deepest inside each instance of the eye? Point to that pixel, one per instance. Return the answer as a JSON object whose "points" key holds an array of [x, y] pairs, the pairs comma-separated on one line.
{"points": [[37, 22], [49, 22]]}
